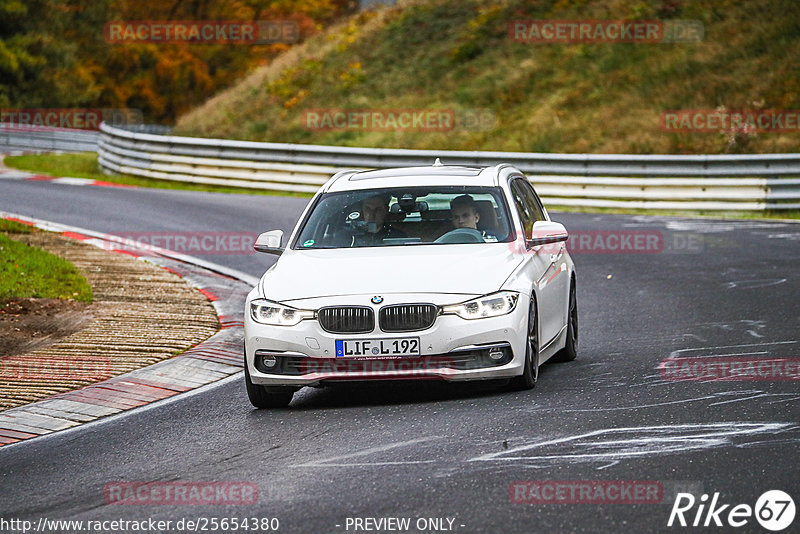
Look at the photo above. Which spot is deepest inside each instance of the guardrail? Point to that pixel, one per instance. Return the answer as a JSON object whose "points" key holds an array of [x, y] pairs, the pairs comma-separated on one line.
{"points": [[719, 182], [35, 139]]}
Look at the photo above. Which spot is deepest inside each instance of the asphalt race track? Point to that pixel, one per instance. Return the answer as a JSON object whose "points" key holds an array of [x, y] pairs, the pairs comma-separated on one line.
{"points": [[709, 289]]}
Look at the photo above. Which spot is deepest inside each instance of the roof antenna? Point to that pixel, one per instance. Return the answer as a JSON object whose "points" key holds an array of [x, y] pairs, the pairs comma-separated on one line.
{"points": [[438, 163]]}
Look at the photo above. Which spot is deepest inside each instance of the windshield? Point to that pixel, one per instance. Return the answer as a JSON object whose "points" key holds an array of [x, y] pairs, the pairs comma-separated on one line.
{"points": [[408, 216]]}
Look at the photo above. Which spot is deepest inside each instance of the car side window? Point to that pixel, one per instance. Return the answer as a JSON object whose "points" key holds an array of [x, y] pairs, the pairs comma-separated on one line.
{"points": [[525, 215], [532, 200]]}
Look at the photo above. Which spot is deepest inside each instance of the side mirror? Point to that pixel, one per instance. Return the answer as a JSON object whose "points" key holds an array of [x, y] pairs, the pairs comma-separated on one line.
{"points": [[546, 232], [270, 242]]}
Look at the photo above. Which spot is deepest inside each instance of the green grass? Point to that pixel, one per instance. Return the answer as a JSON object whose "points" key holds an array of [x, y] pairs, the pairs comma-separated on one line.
{"points": [[84, 165], [562, 98], [30, 272], [14, 227], [705, 214]]}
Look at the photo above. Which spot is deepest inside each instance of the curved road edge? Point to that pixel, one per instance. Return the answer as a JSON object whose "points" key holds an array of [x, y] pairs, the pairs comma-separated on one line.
{"points": [[211, 361]]}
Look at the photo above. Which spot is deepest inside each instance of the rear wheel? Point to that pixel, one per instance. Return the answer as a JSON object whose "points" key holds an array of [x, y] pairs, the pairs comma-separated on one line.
{"points": [[530, 372], [570, 350], [267, 396]]}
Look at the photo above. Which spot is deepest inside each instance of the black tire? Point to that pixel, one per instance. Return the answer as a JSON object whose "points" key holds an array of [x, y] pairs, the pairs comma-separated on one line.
{"points": [[530, 373], [570, 350], [267, 397]]}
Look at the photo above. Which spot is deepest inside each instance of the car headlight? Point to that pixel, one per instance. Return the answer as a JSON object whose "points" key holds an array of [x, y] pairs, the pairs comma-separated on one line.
{"points": [[273, 313], [493, 305]]}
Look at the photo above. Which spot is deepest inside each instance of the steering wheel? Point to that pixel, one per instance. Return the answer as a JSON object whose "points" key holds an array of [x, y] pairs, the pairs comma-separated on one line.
{"points": [[461, 235]]}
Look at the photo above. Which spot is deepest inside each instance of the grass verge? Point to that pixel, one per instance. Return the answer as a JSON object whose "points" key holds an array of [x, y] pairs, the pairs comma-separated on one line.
{"points": [[772, 214], [30, 272], [507, 95], [84, 165]]}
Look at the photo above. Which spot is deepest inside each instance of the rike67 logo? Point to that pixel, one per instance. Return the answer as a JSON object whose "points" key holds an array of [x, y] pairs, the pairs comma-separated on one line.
{"points": [[774, 510]]}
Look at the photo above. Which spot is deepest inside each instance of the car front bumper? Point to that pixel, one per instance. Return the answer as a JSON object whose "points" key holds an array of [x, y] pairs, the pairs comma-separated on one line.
{"points": [[453, 349]]}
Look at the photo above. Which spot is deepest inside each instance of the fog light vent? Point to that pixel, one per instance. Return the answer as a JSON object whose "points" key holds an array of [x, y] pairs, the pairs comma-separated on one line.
{"points": [[496, 354]]}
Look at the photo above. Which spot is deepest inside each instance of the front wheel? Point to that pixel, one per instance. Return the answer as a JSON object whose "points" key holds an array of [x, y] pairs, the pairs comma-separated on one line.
{"points": [[570, 350], [530, 372], [267, 397]]}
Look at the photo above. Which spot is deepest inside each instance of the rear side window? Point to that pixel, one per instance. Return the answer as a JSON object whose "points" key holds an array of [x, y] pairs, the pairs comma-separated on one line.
{"points": [[526, 215], [531, 199]]}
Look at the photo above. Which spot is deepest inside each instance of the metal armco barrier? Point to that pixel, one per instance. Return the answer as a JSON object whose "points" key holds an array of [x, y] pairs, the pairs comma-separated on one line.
{"points": [[31, 139], [719, 182]]}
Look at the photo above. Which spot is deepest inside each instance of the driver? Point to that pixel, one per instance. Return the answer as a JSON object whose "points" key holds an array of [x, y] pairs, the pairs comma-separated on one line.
{"points": [[464, 213], [375, 209]]}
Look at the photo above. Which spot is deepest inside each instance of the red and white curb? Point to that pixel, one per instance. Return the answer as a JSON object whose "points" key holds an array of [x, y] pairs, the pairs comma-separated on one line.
{"points": [[217, 358], [30, 177]]}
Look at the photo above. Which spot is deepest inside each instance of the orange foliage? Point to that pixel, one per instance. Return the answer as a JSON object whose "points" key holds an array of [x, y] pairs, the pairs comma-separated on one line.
{"points": [[162, 80]]}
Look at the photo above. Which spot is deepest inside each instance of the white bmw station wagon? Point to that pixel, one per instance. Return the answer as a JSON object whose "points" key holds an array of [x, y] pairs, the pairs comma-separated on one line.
{"points": [[442, 272]]}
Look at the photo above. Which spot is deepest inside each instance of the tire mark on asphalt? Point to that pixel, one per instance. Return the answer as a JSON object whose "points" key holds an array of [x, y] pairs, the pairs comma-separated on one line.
{"points": [[329, 462]]}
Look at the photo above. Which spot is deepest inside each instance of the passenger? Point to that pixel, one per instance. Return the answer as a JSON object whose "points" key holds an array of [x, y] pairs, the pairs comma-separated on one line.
{"points": [[465, 216]]}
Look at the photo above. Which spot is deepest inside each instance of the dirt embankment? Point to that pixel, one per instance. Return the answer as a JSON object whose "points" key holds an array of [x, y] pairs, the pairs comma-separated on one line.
{"points": [[141, 314]]}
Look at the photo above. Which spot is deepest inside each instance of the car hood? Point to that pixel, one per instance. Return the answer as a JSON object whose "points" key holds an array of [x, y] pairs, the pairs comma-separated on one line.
{"points": [[459, 269]]}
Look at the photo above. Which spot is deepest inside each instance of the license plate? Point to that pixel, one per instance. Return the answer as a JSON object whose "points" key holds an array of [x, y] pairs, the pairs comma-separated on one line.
{"points": [[386, 348]]}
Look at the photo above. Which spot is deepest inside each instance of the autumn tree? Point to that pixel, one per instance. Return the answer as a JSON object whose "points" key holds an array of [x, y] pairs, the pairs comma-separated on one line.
{"points": [[54, 54]]}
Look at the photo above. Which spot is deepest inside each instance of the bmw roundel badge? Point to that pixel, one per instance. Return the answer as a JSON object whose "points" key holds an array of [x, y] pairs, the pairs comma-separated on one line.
{"points": [[377, 300]]}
